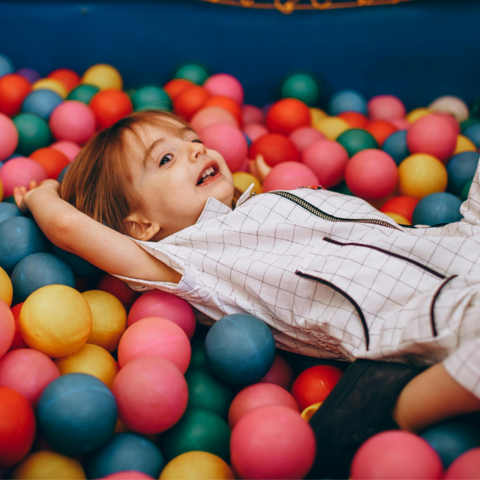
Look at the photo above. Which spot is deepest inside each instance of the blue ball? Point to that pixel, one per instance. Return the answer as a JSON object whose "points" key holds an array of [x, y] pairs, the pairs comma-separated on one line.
{"points": [[20, 237], [6, 65], [248, 139], [8, 210], [450, 440], [126, 452], [39, 270], [62, 174], [437, 208], [473, 133], [80, 267], [41, 103], [461, 169], [77, 414], [396, 146], [347, 101], [239, 349]]}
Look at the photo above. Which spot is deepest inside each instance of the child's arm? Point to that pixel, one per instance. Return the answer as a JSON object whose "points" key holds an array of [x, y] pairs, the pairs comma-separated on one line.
{"points": [[77, 233]]}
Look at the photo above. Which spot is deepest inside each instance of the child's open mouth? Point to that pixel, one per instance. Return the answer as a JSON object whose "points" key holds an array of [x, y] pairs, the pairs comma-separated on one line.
{"points": [[209, 174]]}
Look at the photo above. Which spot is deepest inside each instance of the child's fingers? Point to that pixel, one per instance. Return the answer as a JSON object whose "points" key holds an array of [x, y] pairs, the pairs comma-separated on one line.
{"points": [[33, 184]]}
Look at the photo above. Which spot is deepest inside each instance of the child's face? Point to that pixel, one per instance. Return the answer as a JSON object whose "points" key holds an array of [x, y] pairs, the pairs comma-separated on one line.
{"points": [[169, 180]]}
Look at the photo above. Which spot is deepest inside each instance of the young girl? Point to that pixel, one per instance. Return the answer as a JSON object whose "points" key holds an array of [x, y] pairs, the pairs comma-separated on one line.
{"points": [[332, 276]]}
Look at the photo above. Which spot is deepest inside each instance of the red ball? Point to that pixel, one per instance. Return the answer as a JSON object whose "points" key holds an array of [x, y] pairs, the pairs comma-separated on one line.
{"points": [[17, 427], [381, 130], [287, 115], [466, 466], [109, 283], [355, 119], [67, 77], [109, 106], [402, 205], [189, 101], [18, 341], [396, 454], [314, 384], [275, 148], [128, 475], [371, 174], [228, 104], [280, 373], [433, 134], [289, 176], [13, 90], [53, 161], [176, 86]]}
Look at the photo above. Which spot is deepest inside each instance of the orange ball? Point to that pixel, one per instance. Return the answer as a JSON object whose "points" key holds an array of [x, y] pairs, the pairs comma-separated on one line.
{"points": [[176, 86], [51, 160], [381, 130], [110, 106], [401, 205], [228, 104], [67, 77], [355, 119], [287, 115], [13, 90], [188, 102], [275, 148]]}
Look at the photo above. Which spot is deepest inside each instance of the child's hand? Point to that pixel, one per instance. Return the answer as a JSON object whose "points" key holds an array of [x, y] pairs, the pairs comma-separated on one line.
{"points": [[21, 195]]}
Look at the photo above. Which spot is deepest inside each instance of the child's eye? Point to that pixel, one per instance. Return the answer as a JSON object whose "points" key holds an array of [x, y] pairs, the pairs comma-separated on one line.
{"points": [[197, 140], [166, 159]]}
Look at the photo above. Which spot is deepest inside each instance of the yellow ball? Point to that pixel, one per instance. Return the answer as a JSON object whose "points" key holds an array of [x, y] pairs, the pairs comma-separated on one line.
{"points": [[417, 114], [332, 127], [197, 466], [420, 175], [1, 191], [242, 180], [56, 320], [92, 360], [109, 319], [6, 289], [317, 115], [307, 414], [46, 465], [103, 76], [400, 219], [464, 144], [50, 84]]}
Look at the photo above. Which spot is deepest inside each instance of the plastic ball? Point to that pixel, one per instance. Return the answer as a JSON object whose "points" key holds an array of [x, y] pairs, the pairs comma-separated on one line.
{"points": [[355, 119], [461, 169], [275, 148], [451, 105], [17, 427], [254, 131], [239, 349], [252, 114], [396, 146], [109, 283], [371, 174], [158, 337], [193, 72], [73, 121], [328, 160], [434, 135], [280, 373], [385, 107], [7, 328], [317, 115], [197, 466], [198, 353], [401, 205], [56, 320], [287, 115], [242, 180], [228, 141], [20, 172], [301, 86], [466, 466], [18, 341], [176, 86], [355, 140], [465, 191], [146, 386], [272, 442], [68, 148], [163, 304], [398, 218], [103, 76], [437, 208], [69, 78], [6, 289], [51, 160], [332, 127], [289, 176], [420, 175], [473, 134], [190, 101], [52, 85], [128, 475], [92, 360], [31, 75], [347, 101], [381, 130], [50, 465], [197, 430], [400, 123], [225, 85], [83, 93], [464, 144], [80, 267], [76, 414], [206, 117], [304, 136], [8, 137], [6, 65], [41, 103], [417, 114], [109, 106], [396, 454], [468, 123], [451, 120], [126, 452], [227, 104], [33, 133], [13, 90]]}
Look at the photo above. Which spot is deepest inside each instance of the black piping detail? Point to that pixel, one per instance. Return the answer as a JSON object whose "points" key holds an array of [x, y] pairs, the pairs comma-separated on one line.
{"points": [[396, 255], [347, 296], [432, 316]]}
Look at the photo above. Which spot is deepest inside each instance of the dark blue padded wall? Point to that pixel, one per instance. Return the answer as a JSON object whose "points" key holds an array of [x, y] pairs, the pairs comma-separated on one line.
{"points": [[417, 50]]}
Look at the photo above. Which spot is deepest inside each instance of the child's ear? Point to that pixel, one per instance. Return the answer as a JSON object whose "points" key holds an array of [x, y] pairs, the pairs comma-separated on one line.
{"points": [[140, 228]]}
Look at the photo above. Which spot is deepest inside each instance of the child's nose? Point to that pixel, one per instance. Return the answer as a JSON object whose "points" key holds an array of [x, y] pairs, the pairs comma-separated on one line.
{"points": [[197, 150]]}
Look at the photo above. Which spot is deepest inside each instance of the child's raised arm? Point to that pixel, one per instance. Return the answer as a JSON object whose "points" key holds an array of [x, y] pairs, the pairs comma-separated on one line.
{"points": [[71, 230]]}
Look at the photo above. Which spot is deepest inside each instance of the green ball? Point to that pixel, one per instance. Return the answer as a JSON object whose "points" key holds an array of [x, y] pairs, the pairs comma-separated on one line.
{"points": [[151, 97], [468, 123], [342, 188], [130, 92], [355, 140], [475, 110], [197, 430], [33, 133], [301, 86], [10, 199], [195, 72], [465, 190], [83, 93], [198, 359], [205, 391]]}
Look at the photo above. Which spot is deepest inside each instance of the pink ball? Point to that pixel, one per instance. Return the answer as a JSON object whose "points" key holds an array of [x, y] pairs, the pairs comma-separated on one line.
{"points": [[304, 136], [157, 337], [433, 134], [280, 373], [73, 121], [252, 114], [371, 174], [396, 455], [8, 137], [128, 475], [19, 172], [259, 395], [7, 327], [328, 160], [228, 141], [272, 442], [28, 372], [225, 85], [400, 123], [450, 119], [69, 149], [466, 466], [211, 116], [289, 176], [244, 166], [254, 131], [151, 394], [385, 107]]}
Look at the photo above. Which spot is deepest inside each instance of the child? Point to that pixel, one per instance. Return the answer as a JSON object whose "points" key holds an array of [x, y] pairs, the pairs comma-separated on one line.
{"points": [[332, 276]]}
